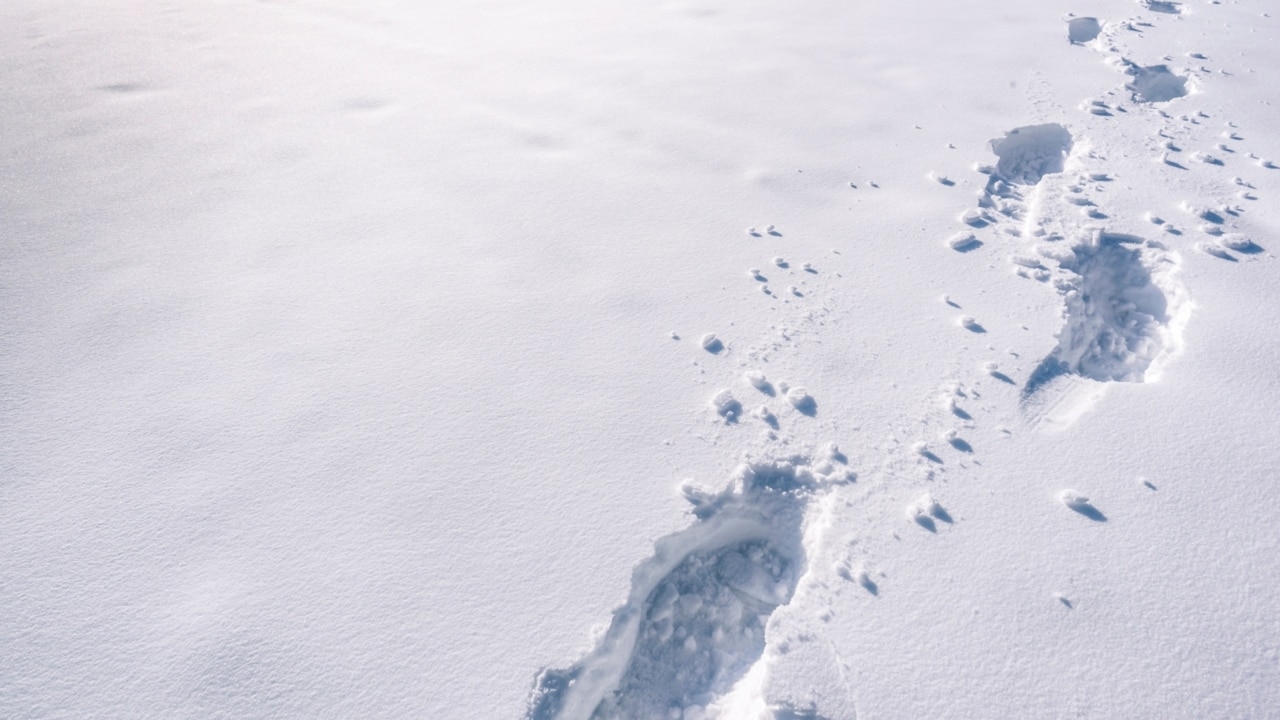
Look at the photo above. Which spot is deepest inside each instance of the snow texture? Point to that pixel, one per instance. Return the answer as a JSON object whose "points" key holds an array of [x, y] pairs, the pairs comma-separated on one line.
{"points": [[354, 355]]}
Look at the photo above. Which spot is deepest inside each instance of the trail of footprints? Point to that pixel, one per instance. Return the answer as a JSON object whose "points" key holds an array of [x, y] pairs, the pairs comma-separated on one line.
{"points": [[698, 614]]}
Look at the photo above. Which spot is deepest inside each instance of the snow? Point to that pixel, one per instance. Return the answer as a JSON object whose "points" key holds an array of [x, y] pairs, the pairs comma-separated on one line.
{"points": [[398, 360]]}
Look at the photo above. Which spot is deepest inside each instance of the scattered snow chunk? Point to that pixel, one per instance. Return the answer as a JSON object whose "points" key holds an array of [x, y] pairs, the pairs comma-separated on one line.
{"points": [[963, 242], [1073, 499], [801, 400], [726, 406], [711, 343], [975, 217], [758, 381], [1206, 158], [1239, 243]]}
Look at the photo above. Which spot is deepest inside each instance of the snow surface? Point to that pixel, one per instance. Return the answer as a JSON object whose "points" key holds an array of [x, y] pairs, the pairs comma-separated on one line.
{"points": [[395, 359]]}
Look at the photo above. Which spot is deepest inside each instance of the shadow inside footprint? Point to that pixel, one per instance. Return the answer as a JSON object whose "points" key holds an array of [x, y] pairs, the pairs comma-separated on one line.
{"points": [[960, 445]]}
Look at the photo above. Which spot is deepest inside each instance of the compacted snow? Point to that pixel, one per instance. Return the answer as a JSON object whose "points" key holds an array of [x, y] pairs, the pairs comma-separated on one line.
{"points": [[576, 360]]}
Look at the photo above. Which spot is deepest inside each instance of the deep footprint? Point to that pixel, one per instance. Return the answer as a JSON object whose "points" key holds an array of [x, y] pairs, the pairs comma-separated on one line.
{"points": [[1117, 315], [695, 620], [1029, 153], [1083, 29], [1155, 83]]}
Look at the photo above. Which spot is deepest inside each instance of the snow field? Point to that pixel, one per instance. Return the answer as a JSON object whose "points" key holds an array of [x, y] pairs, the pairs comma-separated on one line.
{"points": [[353, 355]]}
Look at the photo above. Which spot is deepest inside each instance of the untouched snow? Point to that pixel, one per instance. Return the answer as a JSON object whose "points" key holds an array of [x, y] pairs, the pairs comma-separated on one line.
{"points": [[691, 359]]}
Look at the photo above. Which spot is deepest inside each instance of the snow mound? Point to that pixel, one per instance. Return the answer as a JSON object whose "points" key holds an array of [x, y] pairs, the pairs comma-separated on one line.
{"points": [[695, 620]]}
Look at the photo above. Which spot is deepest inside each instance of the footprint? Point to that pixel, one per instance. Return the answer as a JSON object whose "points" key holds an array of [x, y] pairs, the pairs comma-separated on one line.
{"points": [[1118, 315], [1083, 29], [1155, 83], [695, 621], [1162, 6], [1029, 153]]}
